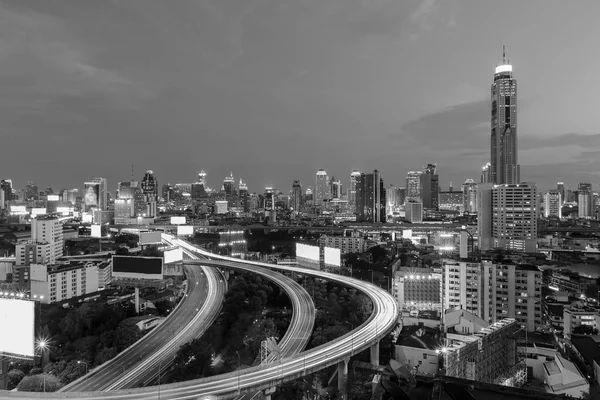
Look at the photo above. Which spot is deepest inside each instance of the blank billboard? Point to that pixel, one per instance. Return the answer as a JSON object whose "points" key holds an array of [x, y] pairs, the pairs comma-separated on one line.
{"points": [[177, 220], [307, 252], [38, 211], [333, 257], [86, 218], [17, 320], [96, 231], [53, 197], [126, 267], [173, 255], [150, 237], [185, 230]]}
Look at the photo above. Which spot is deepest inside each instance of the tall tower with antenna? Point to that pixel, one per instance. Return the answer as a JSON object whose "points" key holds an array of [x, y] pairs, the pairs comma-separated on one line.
{"points": [[504, 168]]}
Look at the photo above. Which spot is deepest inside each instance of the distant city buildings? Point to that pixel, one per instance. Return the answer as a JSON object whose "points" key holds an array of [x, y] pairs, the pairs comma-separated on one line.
{"points": [[322, 188], [370, 198], [553, 204], [430, 187]]}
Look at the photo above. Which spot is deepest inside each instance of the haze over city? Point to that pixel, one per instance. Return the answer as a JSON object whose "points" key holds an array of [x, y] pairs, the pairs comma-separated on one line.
{"points": [[272, 91]]}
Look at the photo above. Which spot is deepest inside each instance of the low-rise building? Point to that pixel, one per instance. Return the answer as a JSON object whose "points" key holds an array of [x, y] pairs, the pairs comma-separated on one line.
{"points": [[417, 348], [563, 377], [418, 289], [346, 244]]}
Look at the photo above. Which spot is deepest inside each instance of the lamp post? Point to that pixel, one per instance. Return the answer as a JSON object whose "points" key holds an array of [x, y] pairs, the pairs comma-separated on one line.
{"points": [[239, 370], [84, 363], [43, 345]]}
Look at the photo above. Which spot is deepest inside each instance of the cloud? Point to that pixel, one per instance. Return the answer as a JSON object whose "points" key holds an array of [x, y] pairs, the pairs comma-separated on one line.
{"points": [[422, 15], [566, 139], [42, 58]]}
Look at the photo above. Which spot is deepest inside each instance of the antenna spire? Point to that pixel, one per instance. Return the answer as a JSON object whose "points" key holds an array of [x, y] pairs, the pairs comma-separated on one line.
{"points": [[504, 54]]}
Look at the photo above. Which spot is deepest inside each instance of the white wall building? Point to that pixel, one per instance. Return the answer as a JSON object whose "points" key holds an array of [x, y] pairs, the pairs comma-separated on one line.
{"points": [[463, 285], [63, 281]]}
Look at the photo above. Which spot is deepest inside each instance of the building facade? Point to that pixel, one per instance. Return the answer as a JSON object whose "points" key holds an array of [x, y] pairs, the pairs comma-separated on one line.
{"points": [[370, 198]]}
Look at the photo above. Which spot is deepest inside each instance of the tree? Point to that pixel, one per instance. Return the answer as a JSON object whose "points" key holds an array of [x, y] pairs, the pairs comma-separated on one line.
{"points": [[14, 377], [37, 383], [163, 307], [122, 251]]}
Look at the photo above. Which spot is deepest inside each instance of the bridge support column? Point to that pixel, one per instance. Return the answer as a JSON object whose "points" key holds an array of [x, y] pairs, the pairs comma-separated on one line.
{"points": [[375, 354], [342, 374], [269, 392], [3, 373], [137, 300]]}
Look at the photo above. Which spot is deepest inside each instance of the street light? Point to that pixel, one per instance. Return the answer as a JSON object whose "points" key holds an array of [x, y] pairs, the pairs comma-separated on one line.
{"points": [[239, 370], [84, 363]]}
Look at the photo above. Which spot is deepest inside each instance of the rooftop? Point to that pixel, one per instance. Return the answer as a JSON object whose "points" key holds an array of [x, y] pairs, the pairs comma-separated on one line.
{"points": [[420, 337]]}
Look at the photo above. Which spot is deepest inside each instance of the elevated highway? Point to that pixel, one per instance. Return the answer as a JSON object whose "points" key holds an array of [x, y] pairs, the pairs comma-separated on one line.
{"points": [[197, 310], [380, 323]]}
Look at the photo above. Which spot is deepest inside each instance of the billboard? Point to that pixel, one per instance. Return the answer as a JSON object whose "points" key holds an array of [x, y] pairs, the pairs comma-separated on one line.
{"points": [[177, 220], [333, 257], [53, 197], [87, 218], [92, 195], [307, 252], [96, 231], [64, 210], [153, 237], [18, 210], [17, 319], [38, 211], [125, 267], [173, 255], [185, 230]]}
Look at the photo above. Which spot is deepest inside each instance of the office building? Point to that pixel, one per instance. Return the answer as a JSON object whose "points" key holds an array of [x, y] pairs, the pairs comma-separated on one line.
{"points": [[322, 192], [202, 178], [418, 289], [243, 196], [507, 217], [512, 291], [504, 166], [29, 252], [391, 200], [370, 198], [228, 183], [469, 192], [560, 186], [96, 194], [413, 212], [125, 190], [463, 286], [553, 204], [430, 187], [486, 174], [124, 208], [451, 201], [31, 192], [585, 203], [168, 192], [149, 185], [352, 195], [48, 230], [6, 189], [336, 188], [413, 186], [296, 196]]}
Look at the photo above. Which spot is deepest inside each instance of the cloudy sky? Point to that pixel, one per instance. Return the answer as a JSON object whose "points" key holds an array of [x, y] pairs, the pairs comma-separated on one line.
{"points": [[272, 90]]}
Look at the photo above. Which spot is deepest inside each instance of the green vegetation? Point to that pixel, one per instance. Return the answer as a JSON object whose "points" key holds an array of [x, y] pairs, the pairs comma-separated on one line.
{"points": [[243, 323]]}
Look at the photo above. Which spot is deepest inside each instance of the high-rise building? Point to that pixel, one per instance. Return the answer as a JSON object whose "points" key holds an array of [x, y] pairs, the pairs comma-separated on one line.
{"points": [[31, 192], [321, 187], [228, 183], [486, 173], [336, 188], [504, 168], [507, 216], [296, 196], [352, 198], [167, 192], [370, 198], [413, 186], [48, 231], [463, 286], [469, 189], [413, 211], [418, 289], [560, 186], [553, 204], [309, 196], [202, 178], [149, 185], [6, 188], [124, 208], [430, 187], [512, 291], [243, 196], [585, 204], [96, 194]]}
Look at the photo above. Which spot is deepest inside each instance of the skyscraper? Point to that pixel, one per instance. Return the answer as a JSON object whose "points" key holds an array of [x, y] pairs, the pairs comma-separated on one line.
{"points": [[560, 186], [552, 204], [469, 189], [321, 187], [584, 200], [413, 186], [96, 194], [243, 196], [430, 187], [296, 196], [228, 185], [352, 199], [370, 198], [504, 167], [336, 188], [6, 188], [202, 178], [150, 184]]}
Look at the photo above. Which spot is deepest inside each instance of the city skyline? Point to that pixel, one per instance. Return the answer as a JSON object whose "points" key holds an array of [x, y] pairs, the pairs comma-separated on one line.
{"points": [[209, 85]]}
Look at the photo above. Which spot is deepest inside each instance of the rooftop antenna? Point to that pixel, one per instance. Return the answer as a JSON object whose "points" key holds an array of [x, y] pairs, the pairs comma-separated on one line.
{"points": [[132, 179], [504, 54]]}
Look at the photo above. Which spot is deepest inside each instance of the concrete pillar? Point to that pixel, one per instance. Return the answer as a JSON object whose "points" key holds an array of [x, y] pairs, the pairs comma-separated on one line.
{"points": [[375, 354], [137, 300], [342, 373], [269, 392]]}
